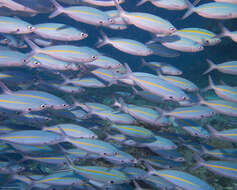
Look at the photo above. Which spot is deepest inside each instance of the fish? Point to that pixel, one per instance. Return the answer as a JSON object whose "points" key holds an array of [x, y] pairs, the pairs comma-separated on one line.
{"points": [[13, 5], [213, 10], [180, 82], [45, 61], [163, 51], [224, 168], [193, 128], [15, 26], [191, 112], [71, 130], [179, 43], [129, 46], [68, 53], [171, 5], [165, 68], [58, 31], [134, 131], [182, 179], [85, 14], [143, 114], [102, 3], [221, 106], [199, 35], [104, 62], [146, 21], [228, 135], [223, 91], [32, 137], [157, 87], [223, 154], [228, 67]]}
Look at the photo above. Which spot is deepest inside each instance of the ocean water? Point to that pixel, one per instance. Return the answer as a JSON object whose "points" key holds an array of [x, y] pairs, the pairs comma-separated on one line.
{"points": [[191, 64]]}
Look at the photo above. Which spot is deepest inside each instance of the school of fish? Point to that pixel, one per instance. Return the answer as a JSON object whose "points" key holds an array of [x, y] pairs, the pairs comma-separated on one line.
{"points": [[75, 116]]}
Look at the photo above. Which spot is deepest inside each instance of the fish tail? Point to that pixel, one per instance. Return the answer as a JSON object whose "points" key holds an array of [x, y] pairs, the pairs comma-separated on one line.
{"points": [[119, 8], [141, 2], [212, 130], [102, 42], [190, 9], [198, 159], [144, 63], [212, 66], [211, 83], [35, 49], [5, 88], [224, 30], [204, 150], [58, 11], [196, 2]]}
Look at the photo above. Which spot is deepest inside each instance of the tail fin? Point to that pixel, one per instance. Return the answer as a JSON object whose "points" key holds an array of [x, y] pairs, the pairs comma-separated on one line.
{"points": [[224, 30], [119, 8], [190, 9], [58, 11], [211, 83], [212, 130], [196, 2], [210, 86], [198, 159], [5, 88], [35, 49], [212, 66], [102, 42], [117, 103], [141, 2], [144, 63]]}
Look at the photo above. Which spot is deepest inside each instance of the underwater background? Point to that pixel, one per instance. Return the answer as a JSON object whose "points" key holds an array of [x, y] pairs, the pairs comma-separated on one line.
{"points": [[192, 65]]}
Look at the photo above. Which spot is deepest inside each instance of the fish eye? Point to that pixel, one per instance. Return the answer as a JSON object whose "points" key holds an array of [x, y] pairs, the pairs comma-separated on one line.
{"points": [[84, 35], [202, 116], [18, 30], [134, 161], [43, 106], [37, 63], [195, 134], [64, 105], [171, 97], [105, 154], [30, 28], [110, 20], [29, 109], [172, 29], [93, 137], [200, 47], [184, 98], [94, 57], [111, 182], [101, 21], [116, 153]]}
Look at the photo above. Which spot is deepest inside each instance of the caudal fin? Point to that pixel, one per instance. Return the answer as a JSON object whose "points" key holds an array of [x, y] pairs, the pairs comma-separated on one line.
{"points": [[199, 161], [190, 9], [141, 2], [212, 130], [212, 66], [58, 7], [224, 30], [35, 49], [102, 42]]}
